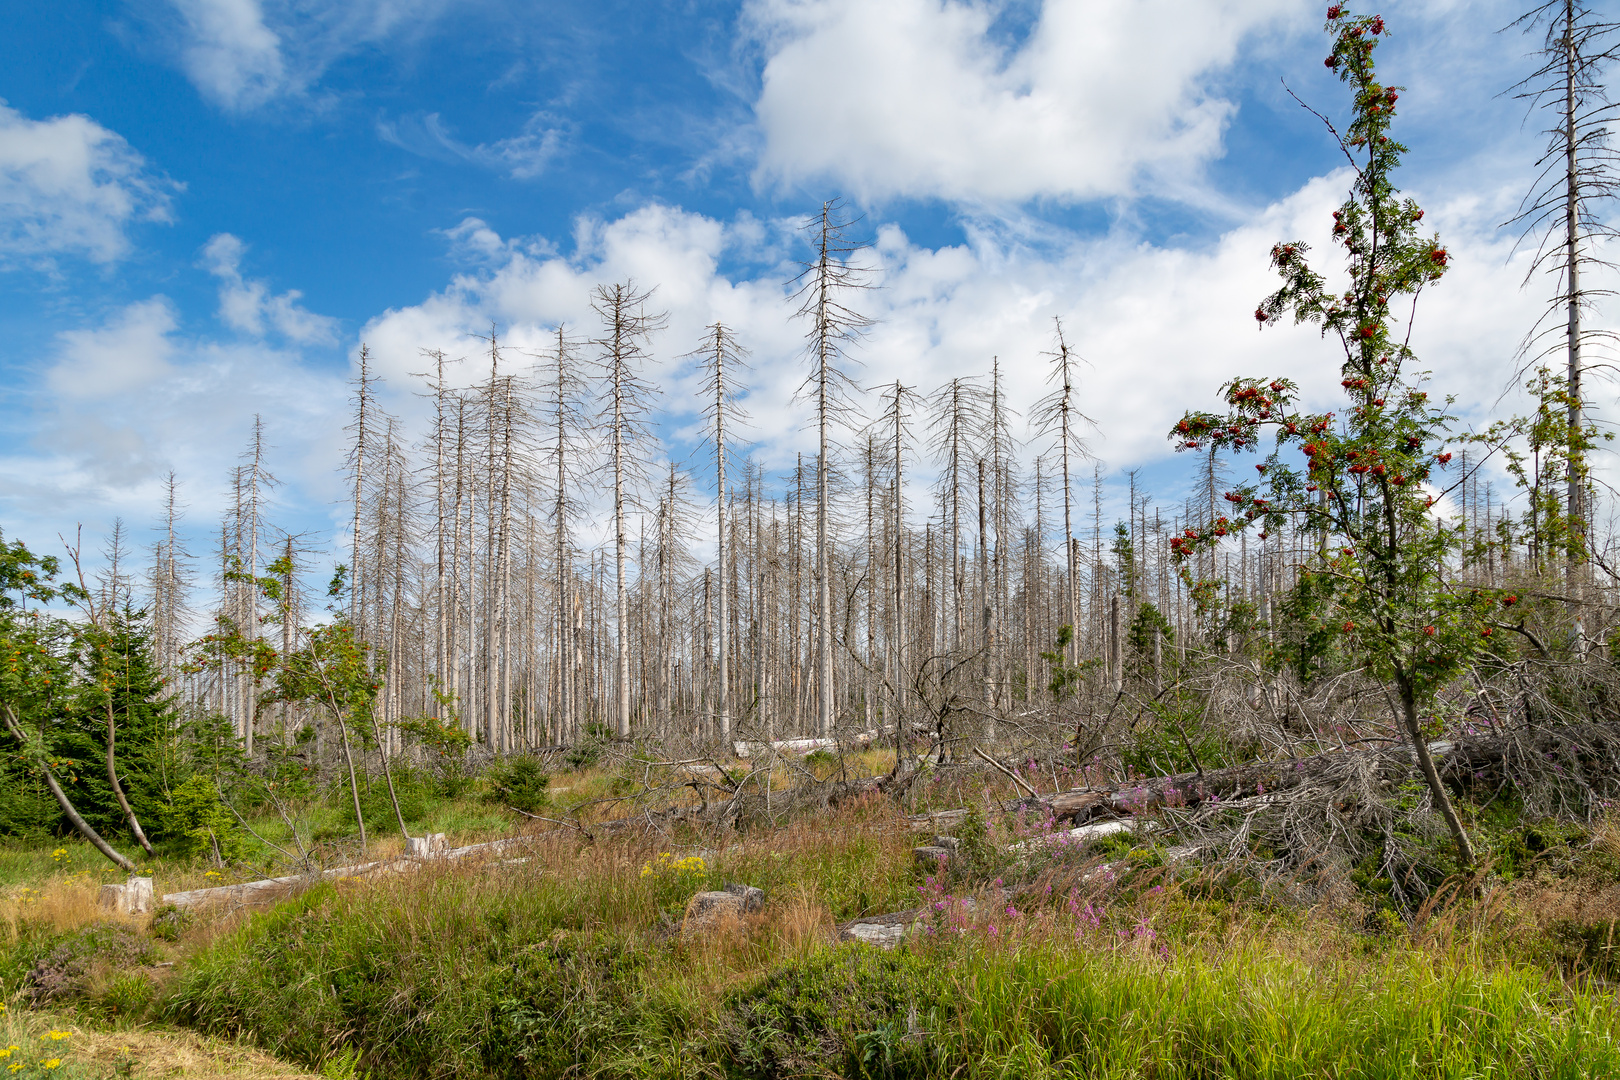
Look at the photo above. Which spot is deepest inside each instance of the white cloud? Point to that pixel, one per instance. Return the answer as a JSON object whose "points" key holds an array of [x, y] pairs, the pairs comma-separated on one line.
{"points": [[918, 98], [243, 54], [69, 185], [522, 157], [230, 54], [137, 396], [1161, 328], [246, 305], [132, 350]]}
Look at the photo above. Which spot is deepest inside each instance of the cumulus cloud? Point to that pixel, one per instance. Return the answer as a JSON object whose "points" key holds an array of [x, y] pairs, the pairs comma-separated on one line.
{"points": [[70, 186], [136, 396], [922, 98], [247, 305], [1161, 328]]}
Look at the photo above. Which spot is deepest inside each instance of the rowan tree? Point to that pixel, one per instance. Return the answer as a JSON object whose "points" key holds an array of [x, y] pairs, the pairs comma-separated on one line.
{"points": [[1365, 478]]}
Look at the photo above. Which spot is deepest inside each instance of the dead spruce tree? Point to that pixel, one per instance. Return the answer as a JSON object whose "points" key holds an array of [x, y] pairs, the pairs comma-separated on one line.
{"points": [[566, 457], [721, 358], [899, 403], [1562, 217], [625, 401], [1058, 419], [955, 423], [824, 289]]}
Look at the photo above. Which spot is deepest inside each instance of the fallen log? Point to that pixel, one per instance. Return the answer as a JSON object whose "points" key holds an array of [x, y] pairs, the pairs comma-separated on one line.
{"points": [[1590, 752], [270, 890]]}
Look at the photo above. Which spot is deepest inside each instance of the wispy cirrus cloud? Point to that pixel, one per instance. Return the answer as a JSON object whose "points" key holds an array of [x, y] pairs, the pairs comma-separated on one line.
{"points": [[244, 54], [522, 156]]}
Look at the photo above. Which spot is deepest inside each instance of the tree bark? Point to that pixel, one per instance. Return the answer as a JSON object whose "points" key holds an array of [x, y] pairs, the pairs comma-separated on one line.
{"points": [[68, 811]]}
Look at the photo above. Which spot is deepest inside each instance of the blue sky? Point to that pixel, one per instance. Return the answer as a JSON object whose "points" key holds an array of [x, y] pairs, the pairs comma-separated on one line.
{"points": [[207, 205]]}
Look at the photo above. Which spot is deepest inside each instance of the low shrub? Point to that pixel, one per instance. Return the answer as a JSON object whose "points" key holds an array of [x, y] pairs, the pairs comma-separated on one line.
{"points": [[520, 782]]}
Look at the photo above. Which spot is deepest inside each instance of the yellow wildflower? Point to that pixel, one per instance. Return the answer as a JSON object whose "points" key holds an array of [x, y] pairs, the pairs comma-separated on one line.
{"points": [[53, 1063]]}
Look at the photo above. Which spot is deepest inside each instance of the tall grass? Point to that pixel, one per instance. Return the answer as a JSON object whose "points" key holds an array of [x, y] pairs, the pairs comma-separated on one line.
{"points": [[573, 958], [576, 963]]}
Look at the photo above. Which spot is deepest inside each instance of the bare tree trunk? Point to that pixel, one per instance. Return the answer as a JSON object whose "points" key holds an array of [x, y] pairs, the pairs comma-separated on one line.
{"points": [[1574, 463], [68, 810], [986, 629]]}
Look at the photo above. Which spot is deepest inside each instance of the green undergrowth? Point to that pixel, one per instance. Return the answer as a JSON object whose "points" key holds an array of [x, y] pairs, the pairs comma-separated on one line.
{"points": [[575, 961], [1066, 1011], [541, 974], [538, 988]]}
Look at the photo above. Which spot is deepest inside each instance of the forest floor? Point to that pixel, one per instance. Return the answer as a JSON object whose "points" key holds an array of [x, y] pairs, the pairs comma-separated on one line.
{"points": [[580, 958]]}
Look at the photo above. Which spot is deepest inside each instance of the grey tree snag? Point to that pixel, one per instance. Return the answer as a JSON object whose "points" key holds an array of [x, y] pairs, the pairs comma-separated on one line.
{"points": [[1561, 214], [1058, 417], [357, 464], [1001, 448], [627, 327], [957, 422], [442, 608], [564, 391], [721, 356], [894, 418], [834, 327]]}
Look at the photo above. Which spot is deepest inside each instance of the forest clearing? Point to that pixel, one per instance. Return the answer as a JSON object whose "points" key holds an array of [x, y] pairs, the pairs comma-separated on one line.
{"points": [[910, 763]]}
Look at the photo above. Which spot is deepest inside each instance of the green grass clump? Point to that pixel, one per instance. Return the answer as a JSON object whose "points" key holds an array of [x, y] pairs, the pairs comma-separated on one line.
{"points": [[549, 974], [1066, 1012]]}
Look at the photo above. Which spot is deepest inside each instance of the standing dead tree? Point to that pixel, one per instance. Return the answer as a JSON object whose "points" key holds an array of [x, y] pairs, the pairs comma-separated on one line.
{"points": [[566, 455], [1058, 418], [625, 402], [721, 357], [1561, 216], [822, 287]]}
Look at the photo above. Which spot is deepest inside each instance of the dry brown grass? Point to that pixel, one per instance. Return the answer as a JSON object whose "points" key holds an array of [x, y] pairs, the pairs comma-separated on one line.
{"points": [[63, 902], [137, 1052]]}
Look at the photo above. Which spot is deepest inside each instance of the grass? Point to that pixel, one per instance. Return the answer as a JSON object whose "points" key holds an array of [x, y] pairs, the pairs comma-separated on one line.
{"points": [[33, 1039], [577, 961], [556, 975]]}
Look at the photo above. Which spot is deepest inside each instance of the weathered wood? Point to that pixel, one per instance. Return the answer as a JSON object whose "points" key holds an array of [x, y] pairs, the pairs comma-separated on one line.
{"points": [[133, 897], [271, 890], [1463, 763]]}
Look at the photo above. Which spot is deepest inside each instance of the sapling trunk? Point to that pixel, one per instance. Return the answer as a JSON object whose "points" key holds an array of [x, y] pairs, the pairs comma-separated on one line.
{"points": [[68, 811], [1437, 789]]}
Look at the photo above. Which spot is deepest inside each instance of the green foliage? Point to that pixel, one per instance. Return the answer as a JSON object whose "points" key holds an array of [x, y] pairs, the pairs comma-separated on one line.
{"points": [[51, 966], [1148, 628], [847, 1011], [1361, 488], [1542, 453], [63, 683], [821, 759], [1178, 734], [588, 751], [413, 789], [170, 922], [1064, 677], [196, 814], [520, 782], [1124, 553]]}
